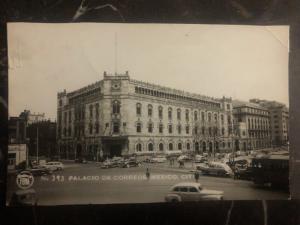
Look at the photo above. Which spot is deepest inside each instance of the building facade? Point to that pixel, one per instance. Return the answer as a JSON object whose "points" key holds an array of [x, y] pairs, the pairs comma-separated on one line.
{"points": [[121, 116], [279, 121], [251, 126]]}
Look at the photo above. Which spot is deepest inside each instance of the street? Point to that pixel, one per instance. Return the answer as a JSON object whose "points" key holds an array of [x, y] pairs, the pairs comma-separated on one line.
{"points": [[89, 184]]}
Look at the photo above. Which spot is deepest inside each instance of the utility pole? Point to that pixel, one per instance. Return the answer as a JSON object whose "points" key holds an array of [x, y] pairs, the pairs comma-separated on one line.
{"points": [[37, 145]]}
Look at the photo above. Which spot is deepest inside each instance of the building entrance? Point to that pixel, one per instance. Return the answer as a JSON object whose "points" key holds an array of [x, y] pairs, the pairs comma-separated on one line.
{"points": [[115, 150]]}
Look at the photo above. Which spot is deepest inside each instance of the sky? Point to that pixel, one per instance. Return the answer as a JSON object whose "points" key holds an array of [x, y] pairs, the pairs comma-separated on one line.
{"points": [[241, 62]]}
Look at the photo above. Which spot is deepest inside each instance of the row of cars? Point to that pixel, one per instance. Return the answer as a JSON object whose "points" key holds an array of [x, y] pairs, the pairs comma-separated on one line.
{"points": [[45, 169], [120, 162]]}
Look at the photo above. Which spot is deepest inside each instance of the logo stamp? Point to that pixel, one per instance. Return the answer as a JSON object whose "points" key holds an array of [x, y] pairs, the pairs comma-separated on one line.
{"points": [[25, 180]]}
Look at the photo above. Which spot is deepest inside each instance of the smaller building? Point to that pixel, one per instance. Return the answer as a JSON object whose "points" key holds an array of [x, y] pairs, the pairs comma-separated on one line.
{"points": [[32, 117], [279, 121], [17, 154], [252, 126]]}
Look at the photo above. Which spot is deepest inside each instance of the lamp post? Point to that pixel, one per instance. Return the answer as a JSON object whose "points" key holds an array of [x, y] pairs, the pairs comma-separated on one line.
{"points": [[37, 145]]}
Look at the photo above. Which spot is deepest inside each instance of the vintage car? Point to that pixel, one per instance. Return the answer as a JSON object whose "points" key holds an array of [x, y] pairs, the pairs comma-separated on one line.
{"points": [[23, 198], [40, 171], [158, 159], [112, 163], [54, 166], [215, 168], [129, 163], [183, 192], [200, 159]]}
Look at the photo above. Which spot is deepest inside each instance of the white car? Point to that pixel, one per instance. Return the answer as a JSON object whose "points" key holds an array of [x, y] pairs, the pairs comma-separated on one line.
{"points": [[158, 159], [54, 166], [183, 192]]}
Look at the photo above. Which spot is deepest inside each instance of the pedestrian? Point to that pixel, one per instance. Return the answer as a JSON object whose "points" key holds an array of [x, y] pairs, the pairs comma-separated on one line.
{"points": [[147, 173], [196, 175]]}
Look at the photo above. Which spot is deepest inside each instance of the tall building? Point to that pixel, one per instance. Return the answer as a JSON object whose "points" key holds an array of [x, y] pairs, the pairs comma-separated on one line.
{"points": [[122, 116], [279, 120], [252, 126], [32, 117]]}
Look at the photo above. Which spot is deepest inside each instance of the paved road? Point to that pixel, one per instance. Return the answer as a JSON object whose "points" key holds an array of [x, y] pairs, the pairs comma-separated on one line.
{"points": [[89, 184]]}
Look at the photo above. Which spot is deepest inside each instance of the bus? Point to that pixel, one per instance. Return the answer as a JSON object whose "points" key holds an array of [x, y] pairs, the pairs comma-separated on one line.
{"points": [[272, 170]]}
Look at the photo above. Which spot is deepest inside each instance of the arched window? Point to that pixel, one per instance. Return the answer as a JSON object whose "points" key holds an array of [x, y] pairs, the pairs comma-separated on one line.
{"points": [[195, 115], [179, 114], [209, 117], [188, 146], [179, 146], [150, 110], [222, 119], [160, 112], [209, 131], [170, 113], [223, 130], [216, 117], [138, 127], [187, 114], [150, 147], [161, 146], [138, 109], [203, 130], [138, 147], [170, 146], [116, 107]]}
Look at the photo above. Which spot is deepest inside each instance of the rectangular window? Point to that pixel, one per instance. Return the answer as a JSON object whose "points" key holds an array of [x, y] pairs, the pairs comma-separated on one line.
{"points": [[138, 128], [116, 128], [160, 129], [170, 129]]}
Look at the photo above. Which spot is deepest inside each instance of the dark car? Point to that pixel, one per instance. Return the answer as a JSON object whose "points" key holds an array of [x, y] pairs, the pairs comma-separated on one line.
{"points": [[40, 171], [81, 160], [130, 163], [243, 173]]}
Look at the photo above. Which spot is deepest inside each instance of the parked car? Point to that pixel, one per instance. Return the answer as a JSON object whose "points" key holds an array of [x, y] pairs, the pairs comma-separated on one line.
{"points": [[215, 168], [23, 198], [184, 158], [243, 172], [40, 171], [81, 160], [200, 159], [158, 159], [54, 166], [109, 163], [130, 163], [183, 192]]}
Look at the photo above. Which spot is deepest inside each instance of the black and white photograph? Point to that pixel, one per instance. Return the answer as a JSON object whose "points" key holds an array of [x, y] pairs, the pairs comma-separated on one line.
{"points": [[109, 113]]}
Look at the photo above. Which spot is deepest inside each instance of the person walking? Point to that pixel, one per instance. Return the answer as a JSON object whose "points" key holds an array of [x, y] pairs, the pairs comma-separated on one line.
{"points": [[147, 173], [196, 176]]}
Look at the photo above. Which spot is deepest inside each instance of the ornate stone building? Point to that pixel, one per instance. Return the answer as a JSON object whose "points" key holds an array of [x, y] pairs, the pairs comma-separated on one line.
{"points": [[251, 126], [122, 116], [279, 120]]}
